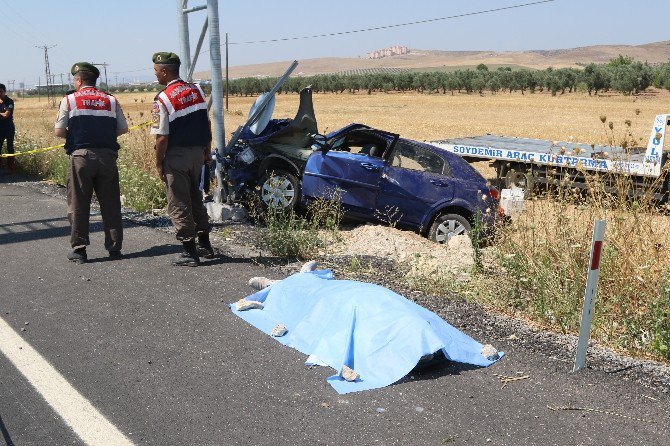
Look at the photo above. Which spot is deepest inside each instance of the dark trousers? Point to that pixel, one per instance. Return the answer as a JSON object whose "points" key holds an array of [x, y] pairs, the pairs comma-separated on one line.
{"points": [[92, 170], [206, 179], [7, 133], [183, 167]]}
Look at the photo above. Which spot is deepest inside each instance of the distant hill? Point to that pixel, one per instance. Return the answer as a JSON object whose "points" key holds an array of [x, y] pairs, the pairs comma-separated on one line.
{"points": [[658, 52]]}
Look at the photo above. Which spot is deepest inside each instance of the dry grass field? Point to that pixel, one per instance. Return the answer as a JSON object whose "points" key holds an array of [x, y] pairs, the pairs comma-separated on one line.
{"points": [[421, 116], [435, 116], [571, 117], [541, 258]]}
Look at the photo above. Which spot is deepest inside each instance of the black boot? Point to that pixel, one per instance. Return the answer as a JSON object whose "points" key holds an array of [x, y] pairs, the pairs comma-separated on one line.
{"points": [[189, 257], [78, 255], [204, 246]]}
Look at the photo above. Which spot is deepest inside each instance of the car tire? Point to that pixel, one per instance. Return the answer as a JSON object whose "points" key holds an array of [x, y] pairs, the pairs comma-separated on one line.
{"points": [[448, 225], [520, 179], [280, 190]]}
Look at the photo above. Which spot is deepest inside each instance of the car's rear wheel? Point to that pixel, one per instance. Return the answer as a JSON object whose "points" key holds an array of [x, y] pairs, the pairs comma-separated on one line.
{"points": [[279, 190], [447, 226]]}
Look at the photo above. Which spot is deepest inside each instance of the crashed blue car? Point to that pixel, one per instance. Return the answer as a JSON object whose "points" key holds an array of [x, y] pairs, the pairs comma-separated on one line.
{"points": [[378, 176]]}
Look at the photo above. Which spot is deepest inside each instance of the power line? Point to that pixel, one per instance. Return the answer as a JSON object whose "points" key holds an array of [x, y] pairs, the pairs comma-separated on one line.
{"points": [[377, 28], [26, 21], [398, 25], [33, 34], [132, 71], [28, 29]]}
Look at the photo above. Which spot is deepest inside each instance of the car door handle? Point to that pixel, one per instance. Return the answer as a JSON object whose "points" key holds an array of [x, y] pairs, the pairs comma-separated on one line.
{"points": [[439, 183], [371, 167]]}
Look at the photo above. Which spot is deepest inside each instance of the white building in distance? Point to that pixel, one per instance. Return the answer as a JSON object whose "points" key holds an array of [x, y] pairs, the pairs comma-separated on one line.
{"points": [[387, 52]]}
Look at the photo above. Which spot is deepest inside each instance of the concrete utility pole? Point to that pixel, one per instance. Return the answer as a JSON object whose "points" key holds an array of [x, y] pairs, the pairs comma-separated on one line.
{"points": [[47, 71], [184, 42], [188, 65], [227, 83]]}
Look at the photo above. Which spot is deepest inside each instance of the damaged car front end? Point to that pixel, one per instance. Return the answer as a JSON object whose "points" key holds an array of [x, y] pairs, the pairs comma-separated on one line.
{"points": [[270, 163]]}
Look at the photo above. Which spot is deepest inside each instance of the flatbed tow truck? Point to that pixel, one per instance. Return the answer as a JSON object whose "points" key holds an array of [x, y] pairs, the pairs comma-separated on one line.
{"points": [[523, 163]]}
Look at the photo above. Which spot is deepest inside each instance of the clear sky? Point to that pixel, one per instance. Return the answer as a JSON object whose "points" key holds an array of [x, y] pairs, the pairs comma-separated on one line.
{"points": [[125, 33]]}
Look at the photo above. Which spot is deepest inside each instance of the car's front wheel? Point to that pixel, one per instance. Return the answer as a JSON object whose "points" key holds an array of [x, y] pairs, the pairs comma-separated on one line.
{"points": [[447, 226], [279, 190]]}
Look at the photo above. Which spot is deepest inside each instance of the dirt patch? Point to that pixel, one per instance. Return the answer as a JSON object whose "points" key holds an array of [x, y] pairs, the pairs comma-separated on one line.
{"points": [[419, 254]]}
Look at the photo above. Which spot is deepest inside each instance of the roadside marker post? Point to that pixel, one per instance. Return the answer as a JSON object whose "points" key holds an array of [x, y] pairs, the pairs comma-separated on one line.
{"points": [[590, 294]]}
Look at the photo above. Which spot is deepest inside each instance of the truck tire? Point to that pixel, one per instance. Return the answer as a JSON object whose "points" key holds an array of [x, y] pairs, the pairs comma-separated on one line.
{"points": [[520, 179], [280, 190], [446, 226]]}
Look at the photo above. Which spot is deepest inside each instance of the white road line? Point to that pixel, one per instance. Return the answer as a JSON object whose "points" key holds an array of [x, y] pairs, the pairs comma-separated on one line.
{"points": [[84, 419]]}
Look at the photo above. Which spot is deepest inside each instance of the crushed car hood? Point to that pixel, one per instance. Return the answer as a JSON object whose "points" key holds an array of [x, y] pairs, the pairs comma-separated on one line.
{"points": [[295, 132]]}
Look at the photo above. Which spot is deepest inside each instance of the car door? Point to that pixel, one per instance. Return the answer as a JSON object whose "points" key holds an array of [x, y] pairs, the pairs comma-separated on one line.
{"points": [[414, 180], [354, 176], [352, 168]]}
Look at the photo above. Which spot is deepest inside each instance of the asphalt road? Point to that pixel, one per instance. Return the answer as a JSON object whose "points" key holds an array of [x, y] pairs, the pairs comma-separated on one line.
{"points": [[155, 349]]}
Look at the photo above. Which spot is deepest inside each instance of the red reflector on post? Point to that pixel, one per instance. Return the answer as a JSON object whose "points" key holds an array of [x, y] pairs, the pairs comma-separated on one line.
{"points": [[597, 248]]}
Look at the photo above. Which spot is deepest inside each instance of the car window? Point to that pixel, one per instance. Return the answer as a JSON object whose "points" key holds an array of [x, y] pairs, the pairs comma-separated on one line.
{"points": [[410, 156], [361, 143]]}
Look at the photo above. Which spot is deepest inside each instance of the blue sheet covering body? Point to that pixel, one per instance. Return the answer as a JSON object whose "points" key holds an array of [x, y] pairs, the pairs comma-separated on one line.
{"points": [[376, 332]]}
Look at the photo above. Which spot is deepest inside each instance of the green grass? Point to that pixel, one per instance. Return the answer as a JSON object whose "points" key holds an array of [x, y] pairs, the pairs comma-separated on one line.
{"points": [[289, 234], [141, 190]]}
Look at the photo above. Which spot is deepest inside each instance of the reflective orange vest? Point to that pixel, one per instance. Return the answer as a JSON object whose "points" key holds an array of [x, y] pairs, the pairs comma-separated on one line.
{"points": [[187, 113], [91, 120]]}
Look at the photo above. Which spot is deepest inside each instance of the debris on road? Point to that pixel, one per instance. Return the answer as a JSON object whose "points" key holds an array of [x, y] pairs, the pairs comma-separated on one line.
{"points": [[606, 412], [508, 379]]}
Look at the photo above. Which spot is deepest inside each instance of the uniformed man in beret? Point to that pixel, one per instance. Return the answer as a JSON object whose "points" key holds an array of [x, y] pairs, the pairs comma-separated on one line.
{"points": [[91, 120], [183, 143], [7, 129]]}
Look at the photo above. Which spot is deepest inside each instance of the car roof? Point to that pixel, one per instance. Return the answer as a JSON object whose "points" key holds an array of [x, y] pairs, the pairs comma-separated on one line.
{"points": [[458, 165], [355, 126]]}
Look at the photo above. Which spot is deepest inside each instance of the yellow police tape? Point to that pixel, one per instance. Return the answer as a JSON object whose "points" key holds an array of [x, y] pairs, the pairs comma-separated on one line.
{"points": [[46, 149]]}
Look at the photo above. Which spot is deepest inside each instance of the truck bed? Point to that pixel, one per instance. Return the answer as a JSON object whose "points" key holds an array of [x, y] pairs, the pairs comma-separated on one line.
{"points": [[510, 143], [543, 152]]}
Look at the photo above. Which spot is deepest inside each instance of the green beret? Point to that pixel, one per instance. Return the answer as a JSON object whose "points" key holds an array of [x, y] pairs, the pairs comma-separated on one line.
{"points": [[85, 66], [165, 57]]}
